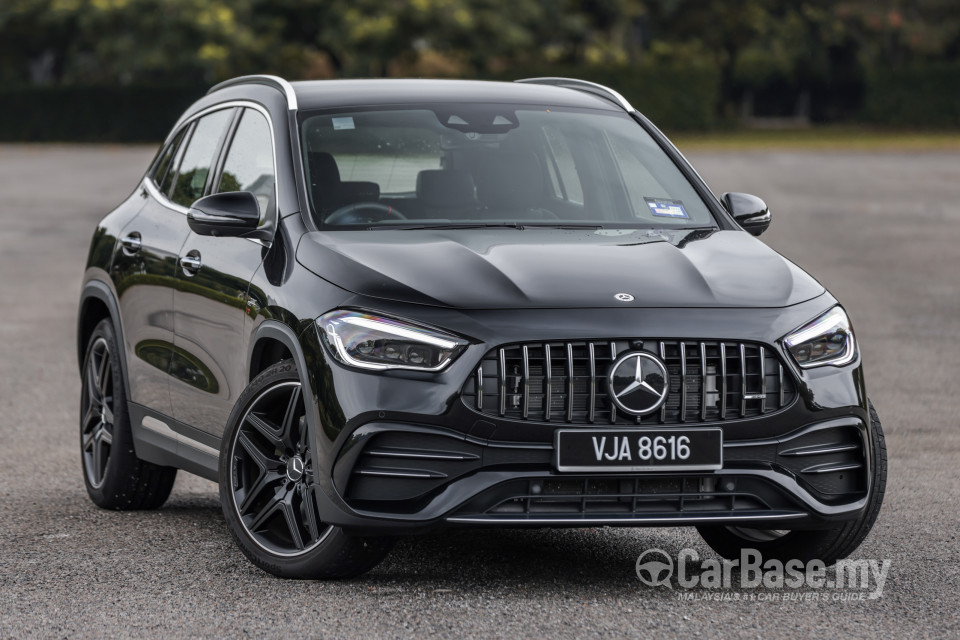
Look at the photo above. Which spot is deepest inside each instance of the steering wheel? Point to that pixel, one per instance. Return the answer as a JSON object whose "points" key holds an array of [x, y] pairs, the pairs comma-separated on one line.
{"points": [[361, 212]]}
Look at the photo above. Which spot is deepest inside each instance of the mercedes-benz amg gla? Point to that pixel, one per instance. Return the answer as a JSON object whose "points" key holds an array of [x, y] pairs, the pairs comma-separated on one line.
{"points": [[371, 308]]}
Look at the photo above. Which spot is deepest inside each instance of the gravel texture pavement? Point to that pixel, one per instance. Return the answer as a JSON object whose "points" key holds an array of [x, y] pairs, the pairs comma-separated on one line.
{"points": [[881, 230]]}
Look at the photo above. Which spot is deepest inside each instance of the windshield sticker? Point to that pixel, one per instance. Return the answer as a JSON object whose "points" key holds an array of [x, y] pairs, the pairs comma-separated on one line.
{"points": [[342, 123], [663, 208]]}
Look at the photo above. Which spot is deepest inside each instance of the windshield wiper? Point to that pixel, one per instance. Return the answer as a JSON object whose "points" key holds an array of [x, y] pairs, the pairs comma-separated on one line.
{"points": [[447, 225], [561, 225], [488, 225]]}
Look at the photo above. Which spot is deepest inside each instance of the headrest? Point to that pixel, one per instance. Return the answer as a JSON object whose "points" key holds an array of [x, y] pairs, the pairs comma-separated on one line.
{"points": [[323, 169], [510, 180], [445, 188]]}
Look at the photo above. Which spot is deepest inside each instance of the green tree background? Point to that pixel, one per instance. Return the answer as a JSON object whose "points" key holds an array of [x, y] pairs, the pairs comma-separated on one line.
{"points": [[823, 59]]}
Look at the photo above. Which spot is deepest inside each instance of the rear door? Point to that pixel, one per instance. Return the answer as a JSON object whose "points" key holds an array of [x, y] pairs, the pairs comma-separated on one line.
{"points": [[211, 343], [144, 271]]}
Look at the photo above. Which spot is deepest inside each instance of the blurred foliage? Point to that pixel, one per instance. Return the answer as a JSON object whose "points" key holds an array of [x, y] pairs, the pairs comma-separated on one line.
{"points": [[905, 96], [813, 58], [114, 113]]}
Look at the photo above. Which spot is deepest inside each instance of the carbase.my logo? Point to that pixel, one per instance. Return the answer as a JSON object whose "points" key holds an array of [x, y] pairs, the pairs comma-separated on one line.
{"points": [[657, 568]]}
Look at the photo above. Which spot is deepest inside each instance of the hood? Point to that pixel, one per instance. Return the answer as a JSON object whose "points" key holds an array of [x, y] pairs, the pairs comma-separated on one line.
{"points": [[557, 268]]}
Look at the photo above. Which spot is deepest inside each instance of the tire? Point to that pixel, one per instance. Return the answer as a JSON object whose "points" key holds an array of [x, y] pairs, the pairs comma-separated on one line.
{"points": [[266, 484], [828, 545], [113, 474]]}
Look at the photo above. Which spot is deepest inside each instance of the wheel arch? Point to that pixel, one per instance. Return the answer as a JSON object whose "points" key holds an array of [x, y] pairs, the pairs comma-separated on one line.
{"points": [[273, 339], [98, 302], [267, 350]]}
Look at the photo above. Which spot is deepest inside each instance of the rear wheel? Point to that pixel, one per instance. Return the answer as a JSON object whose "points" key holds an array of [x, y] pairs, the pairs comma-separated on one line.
{"points": [[828, 545], [115, 478], [267, 485]]}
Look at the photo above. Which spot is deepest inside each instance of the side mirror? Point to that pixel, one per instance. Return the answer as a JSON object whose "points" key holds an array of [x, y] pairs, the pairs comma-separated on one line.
{"points": [[749, 211], [230, 214]]}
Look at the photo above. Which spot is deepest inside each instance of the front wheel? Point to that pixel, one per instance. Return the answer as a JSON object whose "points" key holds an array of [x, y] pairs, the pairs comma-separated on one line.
{"points": [[827, 545], [267, 485]]}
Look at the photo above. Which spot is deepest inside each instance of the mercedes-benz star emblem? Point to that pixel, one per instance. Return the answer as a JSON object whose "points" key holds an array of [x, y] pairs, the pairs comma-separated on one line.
{"points": [[638, 383], [295, 468], [624, 297]]}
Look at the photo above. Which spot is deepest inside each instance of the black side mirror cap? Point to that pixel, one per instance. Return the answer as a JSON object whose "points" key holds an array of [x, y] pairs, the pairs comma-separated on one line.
{"points": [[749, 211], [229, 214]]}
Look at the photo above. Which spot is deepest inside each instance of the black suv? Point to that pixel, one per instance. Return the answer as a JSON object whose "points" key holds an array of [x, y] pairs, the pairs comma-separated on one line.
{"points": [[370, 308]]}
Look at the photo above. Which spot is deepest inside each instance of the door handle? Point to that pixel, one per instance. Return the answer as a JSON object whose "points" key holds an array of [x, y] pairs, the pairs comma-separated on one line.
{"points": [[191, 263], [131, 243]]}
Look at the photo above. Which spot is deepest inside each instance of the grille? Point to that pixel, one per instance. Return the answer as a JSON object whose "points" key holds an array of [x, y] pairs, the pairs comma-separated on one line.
{"points": [[566, 382], [608, 496]]}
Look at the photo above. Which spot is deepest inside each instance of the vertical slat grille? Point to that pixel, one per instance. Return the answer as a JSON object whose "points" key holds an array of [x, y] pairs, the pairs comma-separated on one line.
{"points": [[591, 406], [548, 376], [683, 382], [567, 382], [723, 379], [570, 383]]}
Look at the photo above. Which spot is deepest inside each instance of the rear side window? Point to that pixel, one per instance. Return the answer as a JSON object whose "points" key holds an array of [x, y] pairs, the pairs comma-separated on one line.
{"points": [[249, 163], [199, 156], [167, 181], [166, 158]]}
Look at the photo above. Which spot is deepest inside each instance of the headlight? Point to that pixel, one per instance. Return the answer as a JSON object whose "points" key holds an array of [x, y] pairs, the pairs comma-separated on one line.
{"points": [[827, 340], [374, 342]]}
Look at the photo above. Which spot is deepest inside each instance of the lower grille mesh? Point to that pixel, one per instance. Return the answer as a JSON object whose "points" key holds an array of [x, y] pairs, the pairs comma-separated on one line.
{"points": [[566, 382], [613, 496]]}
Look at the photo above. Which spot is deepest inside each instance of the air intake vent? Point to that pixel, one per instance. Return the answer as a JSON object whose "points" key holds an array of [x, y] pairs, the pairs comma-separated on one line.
{"points": [[566, 382]]}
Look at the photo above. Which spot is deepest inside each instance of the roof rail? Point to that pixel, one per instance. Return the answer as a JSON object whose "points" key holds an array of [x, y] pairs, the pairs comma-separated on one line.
{"points": [[585, 86], [271, 81]]}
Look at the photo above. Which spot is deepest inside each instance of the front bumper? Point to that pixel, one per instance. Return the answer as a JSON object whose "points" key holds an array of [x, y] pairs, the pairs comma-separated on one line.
{"points": [[407, 454]]}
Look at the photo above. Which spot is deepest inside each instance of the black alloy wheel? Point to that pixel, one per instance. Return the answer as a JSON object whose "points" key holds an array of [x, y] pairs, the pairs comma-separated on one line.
{"points": [[268, 487], [96, 428], [272, 474], [113, 474]]}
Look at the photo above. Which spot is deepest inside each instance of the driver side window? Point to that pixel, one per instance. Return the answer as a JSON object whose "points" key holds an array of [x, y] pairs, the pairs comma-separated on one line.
{"points": [[194, 168], [249, 162]]}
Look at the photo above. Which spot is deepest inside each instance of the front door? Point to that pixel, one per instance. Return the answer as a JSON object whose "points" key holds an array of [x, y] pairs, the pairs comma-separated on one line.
{"points": [[210, 367]]}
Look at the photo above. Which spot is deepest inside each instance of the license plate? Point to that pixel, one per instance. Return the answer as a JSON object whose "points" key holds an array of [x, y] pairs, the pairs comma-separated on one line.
{"points": [[639, 449]]}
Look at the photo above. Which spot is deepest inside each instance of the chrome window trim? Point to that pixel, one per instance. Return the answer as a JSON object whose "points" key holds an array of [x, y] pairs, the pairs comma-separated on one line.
{"points": [[154, 189], [582, 85], [261, 78]]}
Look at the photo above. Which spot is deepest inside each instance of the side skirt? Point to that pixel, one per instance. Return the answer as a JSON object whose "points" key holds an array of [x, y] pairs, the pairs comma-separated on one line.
{"points": [[160, 439]]}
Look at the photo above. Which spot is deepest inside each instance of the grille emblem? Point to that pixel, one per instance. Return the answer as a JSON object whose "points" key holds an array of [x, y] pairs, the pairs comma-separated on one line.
{"points": [[638, 383]]}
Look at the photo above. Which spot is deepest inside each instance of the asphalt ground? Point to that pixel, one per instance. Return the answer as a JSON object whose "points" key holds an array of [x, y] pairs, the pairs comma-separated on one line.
{"points": [[881, 230]]}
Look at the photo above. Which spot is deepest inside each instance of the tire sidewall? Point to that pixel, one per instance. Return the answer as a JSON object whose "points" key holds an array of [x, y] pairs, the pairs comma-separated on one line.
{"points": [[113, 480]]}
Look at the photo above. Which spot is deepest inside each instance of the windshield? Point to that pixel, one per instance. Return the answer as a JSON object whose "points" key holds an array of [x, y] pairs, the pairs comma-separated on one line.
{"points": [[469, 165]]}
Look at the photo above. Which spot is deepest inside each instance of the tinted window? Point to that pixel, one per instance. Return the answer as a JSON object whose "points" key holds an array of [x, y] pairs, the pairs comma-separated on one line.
{"points": [[198, 157], [165, 157], [167, 179], [249, 163], [493, 164]]}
